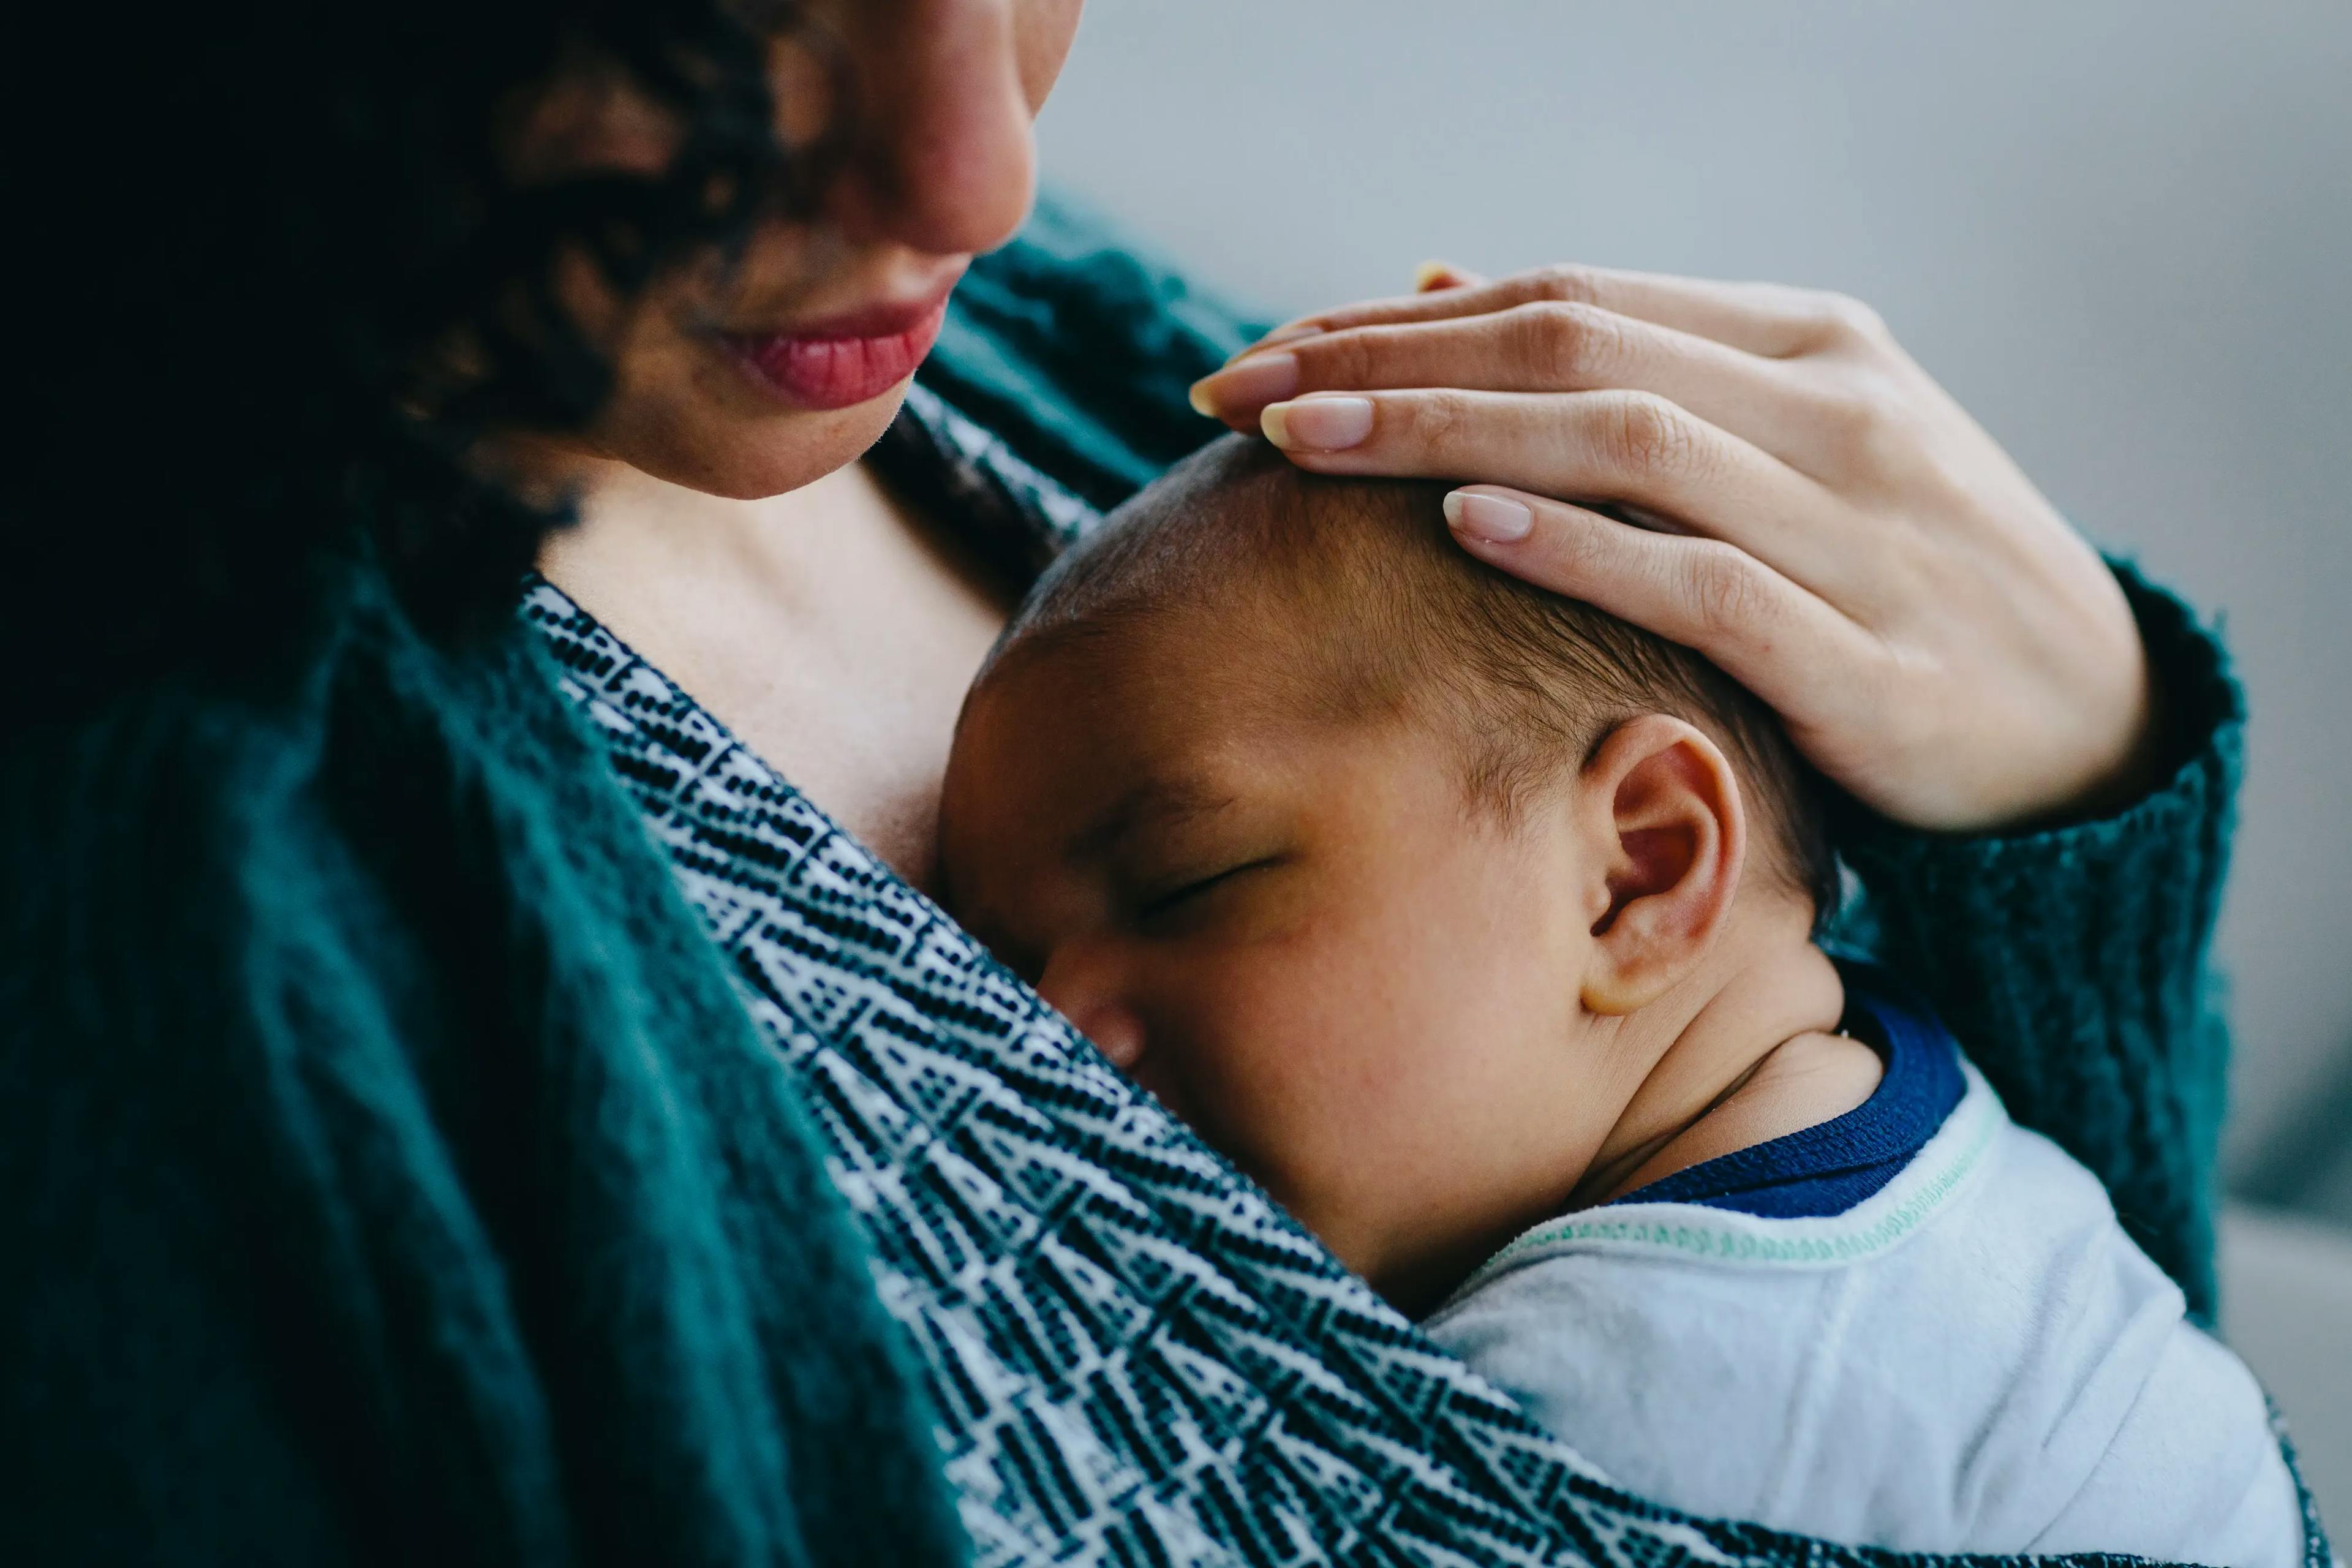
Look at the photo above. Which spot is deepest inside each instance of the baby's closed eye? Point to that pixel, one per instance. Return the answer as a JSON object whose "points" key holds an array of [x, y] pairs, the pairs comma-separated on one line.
{"points": [[1179, 895]]}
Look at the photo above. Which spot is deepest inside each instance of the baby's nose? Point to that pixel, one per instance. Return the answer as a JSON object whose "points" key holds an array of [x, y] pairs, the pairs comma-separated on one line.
{"points": [[1108, 1022], [1117, 1033]]}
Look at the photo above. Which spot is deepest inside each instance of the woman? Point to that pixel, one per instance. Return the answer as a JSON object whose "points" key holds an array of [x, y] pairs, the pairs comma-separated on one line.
{"points": [[398, 1168]]}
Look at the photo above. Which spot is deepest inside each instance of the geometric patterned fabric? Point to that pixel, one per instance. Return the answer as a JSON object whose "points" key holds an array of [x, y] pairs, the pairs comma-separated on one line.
{"points": [[1135, 1356]]}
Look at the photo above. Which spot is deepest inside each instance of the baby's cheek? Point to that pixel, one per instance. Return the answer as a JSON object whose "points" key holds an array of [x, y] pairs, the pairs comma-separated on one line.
{"points": [[1261, 1047], [1321, 1048]]}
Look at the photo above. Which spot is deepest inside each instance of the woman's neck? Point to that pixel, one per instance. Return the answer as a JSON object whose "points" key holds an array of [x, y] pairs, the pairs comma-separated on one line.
{"points": [[832, 628]]}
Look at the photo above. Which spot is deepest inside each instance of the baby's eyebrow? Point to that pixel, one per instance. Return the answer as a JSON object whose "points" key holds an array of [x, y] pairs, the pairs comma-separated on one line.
{"points": [[1153, 803]]}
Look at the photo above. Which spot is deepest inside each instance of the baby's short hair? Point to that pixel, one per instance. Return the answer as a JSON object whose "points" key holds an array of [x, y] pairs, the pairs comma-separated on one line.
{"points": [[1394, 617]]}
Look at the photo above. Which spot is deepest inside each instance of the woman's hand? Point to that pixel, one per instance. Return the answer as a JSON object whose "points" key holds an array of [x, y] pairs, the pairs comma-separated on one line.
{"points": [[1830, 527]]}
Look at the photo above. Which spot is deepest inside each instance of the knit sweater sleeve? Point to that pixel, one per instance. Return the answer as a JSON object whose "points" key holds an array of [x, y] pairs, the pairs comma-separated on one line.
{"points": [[2074, 963], [389, 1170]]}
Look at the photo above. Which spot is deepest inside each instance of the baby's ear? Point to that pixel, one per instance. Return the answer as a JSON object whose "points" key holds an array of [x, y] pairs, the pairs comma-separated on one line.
{"points": [[1665, 805]]}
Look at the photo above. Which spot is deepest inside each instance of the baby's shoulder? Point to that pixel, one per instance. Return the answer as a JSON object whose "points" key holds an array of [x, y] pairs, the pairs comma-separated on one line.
{"points": [[1978, 1357]]}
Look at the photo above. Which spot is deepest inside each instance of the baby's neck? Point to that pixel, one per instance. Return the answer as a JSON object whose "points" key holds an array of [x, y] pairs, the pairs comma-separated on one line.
{"points": [[1744, 1053]]}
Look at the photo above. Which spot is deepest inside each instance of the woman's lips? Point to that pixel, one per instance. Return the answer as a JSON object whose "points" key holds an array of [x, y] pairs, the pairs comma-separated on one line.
{"points": [[842, 362]]}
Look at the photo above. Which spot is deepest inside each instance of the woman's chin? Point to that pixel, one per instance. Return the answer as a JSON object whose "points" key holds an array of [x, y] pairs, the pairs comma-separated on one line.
{"points": [[726, 452]]}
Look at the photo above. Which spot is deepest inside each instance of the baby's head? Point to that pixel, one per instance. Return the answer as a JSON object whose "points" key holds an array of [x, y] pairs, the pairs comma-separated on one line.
{"points": [[1394, 877]]}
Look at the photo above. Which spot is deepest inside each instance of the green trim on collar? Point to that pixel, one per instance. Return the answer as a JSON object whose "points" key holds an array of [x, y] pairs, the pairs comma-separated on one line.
{"points": [[1867, 1229]]}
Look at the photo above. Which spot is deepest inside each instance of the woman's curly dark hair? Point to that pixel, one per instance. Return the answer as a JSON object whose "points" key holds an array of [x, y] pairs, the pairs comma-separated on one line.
{"points": [[249, 227]]}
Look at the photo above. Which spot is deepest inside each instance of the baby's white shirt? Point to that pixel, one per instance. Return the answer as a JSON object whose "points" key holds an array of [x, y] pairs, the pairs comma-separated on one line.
{"points": [[1975, 1358]]}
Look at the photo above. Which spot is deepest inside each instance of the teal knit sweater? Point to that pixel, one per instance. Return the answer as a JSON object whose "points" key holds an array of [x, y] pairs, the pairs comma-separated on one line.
{"points": [[389, 1172]]}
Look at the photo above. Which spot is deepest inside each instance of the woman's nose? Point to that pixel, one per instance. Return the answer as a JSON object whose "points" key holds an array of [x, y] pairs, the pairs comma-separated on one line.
{"points": [[941, 158]]}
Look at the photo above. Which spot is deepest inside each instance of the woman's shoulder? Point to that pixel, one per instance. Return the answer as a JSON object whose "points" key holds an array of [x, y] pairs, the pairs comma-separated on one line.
{"points": [[1078, 348], [192, 857]]}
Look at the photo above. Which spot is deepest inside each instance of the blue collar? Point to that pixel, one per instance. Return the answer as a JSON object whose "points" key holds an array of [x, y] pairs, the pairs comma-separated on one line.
{"points": [[1826, 1169]]}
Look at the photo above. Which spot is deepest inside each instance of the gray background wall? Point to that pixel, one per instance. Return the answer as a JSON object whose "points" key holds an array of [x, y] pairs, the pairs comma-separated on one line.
{"points": [[2119, 231]]}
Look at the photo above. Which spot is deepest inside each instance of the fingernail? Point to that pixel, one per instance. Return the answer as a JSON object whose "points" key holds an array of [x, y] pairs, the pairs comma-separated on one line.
{"points": [[1256, 382], [1490, 519], [1279, 335], [1430, 273], [1317, 423]]}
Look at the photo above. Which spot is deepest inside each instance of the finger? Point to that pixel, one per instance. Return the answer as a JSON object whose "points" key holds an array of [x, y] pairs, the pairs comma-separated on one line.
{"points": [[1767, 318], [1547, 346], [1631, 448], [1428, 278], [1763, 630], [1431, 277]]}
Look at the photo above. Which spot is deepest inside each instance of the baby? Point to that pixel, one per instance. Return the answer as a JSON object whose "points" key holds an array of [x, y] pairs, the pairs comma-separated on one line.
{"points": [[1478, 928]]}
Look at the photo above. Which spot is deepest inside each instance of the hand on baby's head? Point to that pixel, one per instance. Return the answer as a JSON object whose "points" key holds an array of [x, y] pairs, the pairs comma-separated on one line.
{"points": [[1363, 857]]}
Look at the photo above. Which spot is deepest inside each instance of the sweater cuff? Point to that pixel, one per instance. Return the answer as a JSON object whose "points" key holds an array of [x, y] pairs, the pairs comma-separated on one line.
{"points": [[2071, 960]]}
